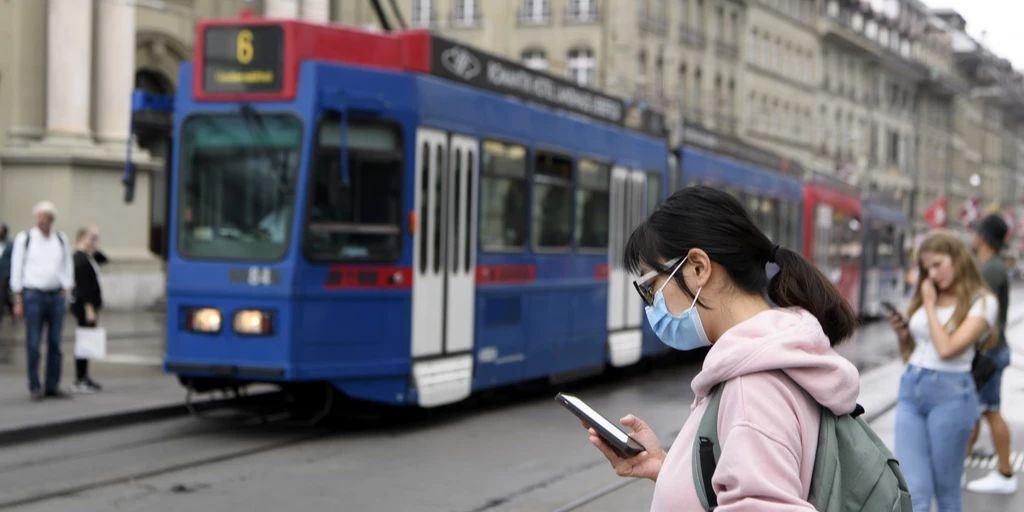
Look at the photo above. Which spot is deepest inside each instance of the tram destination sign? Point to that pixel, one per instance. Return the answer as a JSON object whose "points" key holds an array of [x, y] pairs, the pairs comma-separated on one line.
{"points": [[243, 59], [460, 63]]}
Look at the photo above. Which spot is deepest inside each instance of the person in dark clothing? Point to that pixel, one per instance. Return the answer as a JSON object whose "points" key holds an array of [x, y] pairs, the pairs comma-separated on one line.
{"points": [[88, 298], [988, 241], [5, 272]]}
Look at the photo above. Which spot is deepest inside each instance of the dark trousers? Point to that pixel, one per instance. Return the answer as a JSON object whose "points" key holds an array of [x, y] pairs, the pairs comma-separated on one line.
{"points": [[5, 304], [43, 308], [81, 365]]}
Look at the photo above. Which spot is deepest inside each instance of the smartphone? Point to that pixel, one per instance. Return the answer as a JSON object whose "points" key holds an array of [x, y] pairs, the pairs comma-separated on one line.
{"points": [[613, 435], [890, 307]]}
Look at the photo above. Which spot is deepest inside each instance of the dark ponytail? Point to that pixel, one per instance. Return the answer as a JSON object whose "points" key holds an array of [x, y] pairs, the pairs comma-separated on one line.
{"points": [[799, 283], [709, 219]]}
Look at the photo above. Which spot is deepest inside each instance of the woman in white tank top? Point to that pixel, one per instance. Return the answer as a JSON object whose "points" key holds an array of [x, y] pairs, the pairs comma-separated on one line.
{"points": [[951, 313]]}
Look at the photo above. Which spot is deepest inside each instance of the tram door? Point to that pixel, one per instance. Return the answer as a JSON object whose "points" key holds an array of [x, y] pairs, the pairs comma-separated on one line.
{"points": [[444, 260], [628, 209]]}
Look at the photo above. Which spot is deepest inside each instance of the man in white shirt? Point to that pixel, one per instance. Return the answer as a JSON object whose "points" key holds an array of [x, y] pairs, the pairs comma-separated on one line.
{"points": [[41, 279]]}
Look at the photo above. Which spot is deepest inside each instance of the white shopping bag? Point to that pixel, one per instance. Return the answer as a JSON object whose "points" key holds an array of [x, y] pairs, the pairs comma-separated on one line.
{"points": [[90, 342]]}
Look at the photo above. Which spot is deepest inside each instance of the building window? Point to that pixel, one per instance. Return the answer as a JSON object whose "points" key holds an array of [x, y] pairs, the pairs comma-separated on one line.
{"points": [[535, 11], [465, 12], [422, 13], [659, 77], [683, 86], [684, 15], [583, 10], [535, 58], [581, 66]]}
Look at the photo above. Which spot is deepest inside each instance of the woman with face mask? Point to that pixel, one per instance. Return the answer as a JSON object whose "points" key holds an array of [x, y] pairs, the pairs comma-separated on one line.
{"points": [[703, 266], [950, 313]]}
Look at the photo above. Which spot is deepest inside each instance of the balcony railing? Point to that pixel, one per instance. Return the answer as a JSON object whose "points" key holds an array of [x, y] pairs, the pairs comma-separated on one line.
{"points": [[459, 20], [726, 49], [533, 18], [692, 37], [582, 16]]}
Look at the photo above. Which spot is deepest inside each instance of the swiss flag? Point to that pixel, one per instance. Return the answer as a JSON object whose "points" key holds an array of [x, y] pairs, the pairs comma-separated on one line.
{"points": [[935, 215], [969, 212]]}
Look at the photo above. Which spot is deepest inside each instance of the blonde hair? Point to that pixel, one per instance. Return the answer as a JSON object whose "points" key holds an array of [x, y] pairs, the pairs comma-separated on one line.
{"points": [[967, 281]]}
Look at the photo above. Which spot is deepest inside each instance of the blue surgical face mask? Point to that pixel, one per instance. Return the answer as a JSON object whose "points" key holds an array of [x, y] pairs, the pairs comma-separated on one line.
{"points": [[683, 332]]}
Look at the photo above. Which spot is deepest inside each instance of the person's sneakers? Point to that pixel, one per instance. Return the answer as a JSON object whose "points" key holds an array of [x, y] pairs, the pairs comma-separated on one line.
{"points": [[56, 393], [994, 483], [86, 386], [36, 396]]}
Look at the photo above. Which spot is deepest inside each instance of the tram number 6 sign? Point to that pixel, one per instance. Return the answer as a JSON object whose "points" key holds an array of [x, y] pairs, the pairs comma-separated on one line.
{"points": [[243, 46]]}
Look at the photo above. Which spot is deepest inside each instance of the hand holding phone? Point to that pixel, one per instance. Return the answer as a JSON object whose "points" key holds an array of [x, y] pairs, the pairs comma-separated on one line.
{"points": [[890, 308], [896, 320], [611, 434]]}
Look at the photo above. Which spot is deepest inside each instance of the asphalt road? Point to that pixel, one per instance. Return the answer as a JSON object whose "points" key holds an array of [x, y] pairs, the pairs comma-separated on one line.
{"points": [[515, 451]]}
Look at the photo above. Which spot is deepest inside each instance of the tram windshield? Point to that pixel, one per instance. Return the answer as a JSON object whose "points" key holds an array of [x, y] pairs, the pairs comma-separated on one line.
{"points": [[237, 185]]}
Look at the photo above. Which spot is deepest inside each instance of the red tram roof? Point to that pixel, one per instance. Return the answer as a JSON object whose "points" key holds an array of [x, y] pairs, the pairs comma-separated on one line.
{"points": [[843, 200], [257, 59]]}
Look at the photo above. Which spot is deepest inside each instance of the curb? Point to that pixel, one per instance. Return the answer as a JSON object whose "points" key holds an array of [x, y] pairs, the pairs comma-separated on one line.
{"points": [[92, 423], [116, 419]]}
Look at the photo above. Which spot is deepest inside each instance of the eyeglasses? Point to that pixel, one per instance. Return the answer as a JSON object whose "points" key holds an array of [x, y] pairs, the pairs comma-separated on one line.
{"points": [[644, 286]]}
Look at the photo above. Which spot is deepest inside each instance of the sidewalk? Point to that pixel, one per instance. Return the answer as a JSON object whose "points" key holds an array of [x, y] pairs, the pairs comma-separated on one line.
{"points": [[131, 374]]}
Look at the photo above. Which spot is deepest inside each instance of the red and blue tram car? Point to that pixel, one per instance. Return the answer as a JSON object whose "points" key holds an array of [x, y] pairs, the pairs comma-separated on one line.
{"points": [[398, 215]]}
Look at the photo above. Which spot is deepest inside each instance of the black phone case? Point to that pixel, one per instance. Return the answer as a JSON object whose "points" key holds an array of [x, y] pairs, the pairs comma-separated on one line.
{"points": [[623, 448]]}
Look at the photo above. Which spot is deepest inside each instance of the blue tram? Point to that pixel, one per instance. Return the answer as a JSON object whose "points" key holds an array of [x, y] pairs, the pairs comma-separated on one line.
{"points": [[768, 186], [886, 228], [398, 215]]}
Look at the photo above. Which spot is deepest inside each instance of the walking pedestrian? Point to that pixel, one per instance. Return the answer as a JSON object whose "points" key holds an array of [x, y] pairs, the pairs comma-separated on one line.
{"points": [[704, 280], [5, 272], [41, 279], [988, 242], [88, 298], [950, 313]]}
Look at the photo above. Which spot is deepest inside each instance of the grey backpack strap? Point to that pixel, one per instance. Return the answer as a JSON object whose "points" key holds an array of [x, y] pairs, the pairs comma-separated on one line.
{"points": [[706, 450]]}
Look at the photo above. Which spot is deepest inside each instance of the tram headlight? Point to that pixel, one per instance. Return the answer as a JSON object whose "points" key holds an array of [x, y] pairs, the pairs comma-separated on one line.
{"points": [[206, 320], [253, 322]]}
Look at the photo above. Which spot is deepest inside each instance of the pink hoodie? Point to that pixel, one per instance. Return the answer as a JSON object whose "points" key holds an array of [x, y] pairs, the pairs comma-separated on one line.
{"points": [[767, 423]]}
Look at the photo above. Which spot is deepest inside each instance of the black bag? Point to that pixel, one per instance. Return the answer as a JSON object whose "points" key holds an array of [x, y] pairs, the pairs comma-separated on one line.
{"points": [[982, 368]]}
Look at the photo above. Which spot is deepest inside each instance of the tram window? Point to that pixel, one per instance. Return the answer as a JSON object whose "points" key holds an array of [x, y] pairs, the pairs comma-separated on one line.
{"points": [[653, 192], [360, 219], [552, 200], [503, 197], [592, 205], [238, 181]]}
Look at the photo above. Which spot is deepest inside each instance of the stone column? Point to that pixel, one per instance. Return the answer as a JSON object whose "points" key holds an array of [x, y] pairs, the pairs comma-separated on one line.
{"points": [[28, 66], [288, 9], [68, 69], [317, 11], [115, 70]]}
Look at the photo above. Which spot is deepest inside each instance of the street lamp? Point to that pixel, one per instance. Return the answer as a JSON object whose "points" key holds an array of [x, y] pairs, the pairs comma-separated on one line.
{"points": [[975, 180]]}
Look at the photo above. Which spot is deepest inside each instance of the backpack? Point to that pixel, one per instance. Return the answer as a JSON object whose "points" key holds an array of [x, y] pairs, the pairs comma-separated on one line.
{"points": [[853, 469], [5, 261]]}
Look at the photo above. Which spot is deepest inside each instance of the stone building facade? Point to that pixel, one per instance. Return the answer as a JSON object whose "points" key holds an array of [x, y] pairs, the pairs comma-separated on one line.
{"points": [[885, 94]]}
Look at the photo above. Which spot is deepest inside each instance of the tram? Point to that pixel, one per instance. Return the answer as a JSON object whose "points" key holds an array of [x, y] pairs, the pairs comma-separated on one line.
{"points": [[400, 217], [833, 234], [885, 229]]}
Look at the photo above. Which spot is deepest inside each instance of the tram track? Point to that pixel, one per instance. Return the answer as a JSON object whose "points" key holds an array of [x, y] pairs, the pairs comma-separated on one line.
{"points": [[68, 464]]}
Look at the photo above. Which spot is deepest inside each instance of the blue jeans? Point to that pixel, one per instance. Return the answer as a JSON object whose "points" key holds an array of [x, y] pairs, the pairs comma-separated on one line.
{"points": [[989, 395], [43, 308], [935, 415]]}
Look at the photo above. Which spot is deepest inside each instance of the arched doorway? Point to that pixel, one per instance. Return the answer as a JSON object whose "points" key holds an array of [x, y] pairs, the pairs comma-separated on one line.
{"points": [[152, 130]]}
